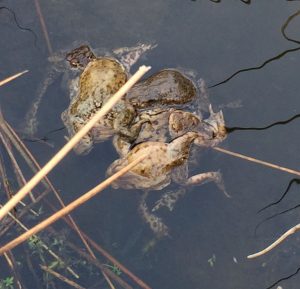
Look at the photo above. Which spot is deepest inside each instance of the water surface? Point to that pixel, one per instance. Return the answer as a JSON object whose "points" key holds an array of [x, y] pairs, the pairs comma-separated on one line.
{"points": [[214, 40]]}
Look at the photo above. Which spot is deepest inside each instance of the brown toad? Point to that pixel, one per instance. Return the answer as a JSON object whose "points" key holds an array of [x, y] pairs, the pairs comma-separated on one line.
{"points": [[101, 78], [163, 125], [166, 162]]}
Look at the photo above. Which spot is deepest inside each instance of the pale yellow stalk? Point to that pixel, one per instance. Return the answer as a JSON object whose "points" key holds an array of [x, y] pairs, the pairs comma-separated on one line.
{"points": [[67, 209], [8, 79], [73, 141]]}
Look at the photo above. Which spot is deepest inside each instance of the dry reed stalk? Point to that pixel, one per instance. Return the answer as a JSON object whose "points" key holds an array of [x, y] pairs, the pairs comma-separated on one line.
{"points": [[6, 227], [105, 254], [35, 167], [14, 269], [20, 177], [116, 278], [70, 207], [51, 252], [9, 262], [276, 243], [110, 284], [136, 279], [61, 277], [72, 142], [287, 170], [96, 263], [8, 79], [43, 25], [250, 159]]}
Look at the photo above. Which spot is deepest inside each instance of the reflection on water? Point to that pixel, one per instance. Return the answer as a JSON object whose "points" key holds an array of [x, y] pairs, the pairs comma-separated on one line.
{"points": [[276, 57], [210, 39], [244, 1], [281, 122], [15, 20]]}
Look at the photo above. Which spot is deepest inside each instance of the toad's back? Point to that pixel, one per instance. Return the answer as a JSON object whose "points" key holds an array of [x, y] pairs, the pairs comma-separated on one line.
{"points": [[98, 82]]}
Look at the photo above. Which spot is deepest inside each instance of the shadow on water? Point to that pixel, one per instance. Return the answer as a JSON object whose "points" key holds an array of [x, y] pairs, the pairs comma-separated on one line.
{"points": [[281, 122], [293, 181], [46, 139], [16, 21], [244, 1], [277, 57]]}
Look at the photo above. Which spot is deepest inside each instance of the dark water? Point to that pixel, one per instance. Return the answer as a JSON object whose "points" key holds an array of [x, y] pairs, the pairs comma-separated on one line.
{"points": [[215, 40]]}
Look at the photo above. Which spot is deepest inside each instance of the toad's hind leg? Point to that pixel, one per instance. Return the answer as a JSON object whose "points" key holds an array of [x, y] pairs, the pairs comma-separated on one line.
{"points": [[169, 199], [156, 224], [203, 178]]}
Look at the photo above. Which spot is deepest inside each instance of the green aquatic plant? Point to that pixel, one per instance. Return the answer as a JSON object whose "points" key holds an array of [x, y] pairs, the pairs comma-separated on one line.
{"points": [[7, 283], [114, 268]]}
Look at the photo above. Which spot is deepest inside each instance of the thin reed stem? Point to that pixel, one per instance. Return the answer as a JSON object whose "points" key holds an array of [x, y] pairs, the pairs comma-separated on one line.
{"points": [[8, 79], [109, 257], [73, 205], [61, 277], [35, 167], [43, 25], [250, 159], [73, 141]]}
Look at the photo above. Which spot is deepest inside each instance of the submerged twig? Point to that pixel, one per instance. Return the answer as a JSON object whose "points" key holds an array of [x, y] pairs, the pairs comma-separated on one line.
{"points": [[43, 25], [287, 170], [73, 141], [114, 261], [109, 257], [20, 177], [26, 208], [276, 243], [97, 264], [14, 269], [35, 167], [73, 205], [38, 240], [110, 284], [61, 277]]}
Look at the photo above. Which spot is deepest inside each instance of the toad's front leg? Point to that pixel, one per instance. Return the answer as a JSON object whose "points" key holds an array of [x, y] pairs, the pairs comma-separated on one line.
{"points": [[125, 125]]}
